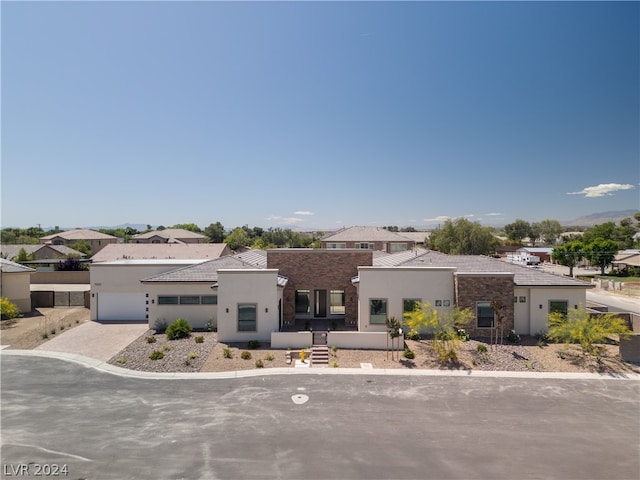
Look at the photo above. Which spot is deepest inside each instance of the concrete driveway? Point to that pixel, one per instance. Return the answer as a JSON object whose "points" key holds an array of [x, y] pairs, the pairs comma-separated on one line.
{"points": [[95, 340]]}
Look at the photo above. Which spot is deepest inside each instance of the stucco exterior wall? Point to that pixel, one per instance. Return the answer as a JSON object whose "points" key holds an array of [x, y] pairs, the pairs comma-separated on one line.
{"points": [[16, 287], [471, 288], [539, 305], [395, 284], [314, 269], [254, 286], [197, 315]]}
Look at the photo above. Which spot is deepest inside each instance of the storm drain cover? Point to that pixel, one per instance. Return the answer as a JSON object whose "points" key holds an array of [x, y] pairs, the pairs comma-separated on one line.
{"points": [[299, 399]]}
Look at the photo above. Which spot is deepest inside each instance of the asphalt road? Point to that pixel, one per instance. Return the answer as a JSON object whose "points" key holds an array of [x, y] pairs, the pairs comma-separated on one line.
{"points": [[101, 426]]}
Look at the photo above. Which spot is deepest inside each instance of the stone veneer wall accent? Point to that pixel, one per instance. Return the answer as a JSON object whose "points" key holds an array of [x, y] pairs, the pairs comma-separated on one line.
{"points": [[311, 269], [478, 287]]}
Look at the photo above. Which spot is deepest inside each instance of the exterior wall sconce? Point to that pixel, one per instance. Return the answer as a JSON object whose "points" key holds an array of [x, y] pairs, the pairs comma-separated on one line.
{"points": [[226, 310], [540, 306], [266, 310]]}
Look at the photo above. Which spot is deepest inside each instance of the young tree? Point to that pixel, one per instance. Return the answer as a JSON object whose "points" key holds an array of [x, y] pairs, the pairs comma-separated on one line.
{"points": [[393, 329], [192, 227], [578, 326], [568, 254], [443, 325]]}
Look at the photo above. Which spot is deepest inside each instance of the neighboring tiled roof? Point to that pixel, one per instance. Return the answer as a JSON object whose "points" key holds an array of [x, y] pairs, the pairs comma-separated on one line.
{"points": [[169, 233], [208, 271], [547, 250], [7, 266], [125, 251], [12, 251], [80, 234], [364, 234], [393, 259], [417, 237], [523, 276]]}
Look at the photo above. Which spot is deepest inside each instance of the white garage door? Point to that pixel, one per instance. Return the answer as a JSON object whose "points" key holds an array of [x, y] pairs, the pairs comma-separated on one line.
{"points": [[121, 306]]}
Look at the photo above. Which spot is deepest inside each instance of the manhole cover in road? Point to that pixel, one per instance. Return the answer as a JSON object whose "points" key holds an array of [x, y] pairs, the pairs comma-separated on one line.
{"points": [[299, 399]]}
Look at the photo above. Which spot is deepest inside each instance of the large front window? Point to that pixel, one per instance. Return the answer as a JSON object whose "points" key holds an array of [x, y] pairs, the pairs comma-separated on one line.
{"points": [[303, 304], [336, 306], [378, 310], [484, 315], [247, 316], [409, 304], [561, 306]]}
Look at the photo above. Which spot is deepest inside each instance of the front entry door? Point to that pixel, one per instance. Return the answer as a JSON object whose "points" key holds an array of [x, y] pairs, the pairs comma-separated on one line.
{"points": [[320, 303]]}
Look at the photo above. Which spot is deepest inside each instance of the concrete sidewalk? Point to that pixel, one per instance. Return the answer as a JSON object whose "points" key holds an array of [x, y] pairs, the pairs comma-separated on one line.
{"points": [[95, 340]]}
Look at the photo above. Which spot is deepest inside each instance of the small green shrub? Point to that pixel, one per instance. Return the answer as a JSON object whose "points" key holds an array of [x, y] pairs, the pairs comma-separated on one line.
{"points": [[178, 329], [412, 335], [121, 360], [156, 355], [209, 326], [199, 339], [409, 354], [253, 344], [192, 355], [226, 353], [513, 337], [334, 364], [245, 355], [8, 310], [268, 357], [481, 348], [166, 348], [151, 339], [334, 349], [259, 364]]}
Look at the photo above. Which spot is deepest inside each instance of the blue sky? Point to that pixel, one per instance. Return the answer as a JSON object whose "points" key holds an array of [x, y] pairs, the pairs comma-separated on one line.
{"points": [[318, 115]]}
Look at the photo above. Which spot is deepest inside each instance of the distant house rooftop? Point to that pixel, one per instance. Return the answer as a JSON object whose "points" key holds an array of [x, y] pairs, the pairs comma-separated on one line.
{"points": [[130, 251]]}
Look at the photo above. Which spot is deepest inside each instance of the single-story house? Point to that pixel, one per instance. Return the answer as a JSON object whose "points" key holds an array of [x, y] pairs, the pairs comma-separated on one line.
{"points": [[169, 235], [39, 251], [627, 258], [258, 295], [141, 251], [368, 238], [15, 284], [96, 240]]}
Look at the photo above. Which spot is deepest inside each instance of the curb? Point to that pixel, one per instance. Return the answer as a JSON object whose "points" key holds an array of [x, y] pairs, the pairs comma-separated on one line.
{"points": [[123, 372]]}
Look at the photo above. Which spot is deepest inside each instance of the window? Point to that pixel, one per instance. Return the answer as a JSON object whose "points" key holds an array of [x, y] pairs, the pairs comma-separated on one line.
{"points": [[189, 300], [438, 303], [446, 303], [247, 316], [522, 299], [336, 306], [303, 304], [209, 299], [364, 246], [409, 304], [561, 306], [484, 314], [167, 300], [398, 247], [378, 310], [336, 245]]}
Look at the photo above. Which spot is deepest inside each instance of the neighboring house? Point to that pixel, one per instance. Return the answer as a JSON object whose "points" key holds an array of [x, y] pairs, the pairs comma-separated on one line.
{"points": [[39, 251], [418, 238], [627, 258], [141, 251], [96, 240], [15, 284], [367, 238], [256, 295], [169, 235]]}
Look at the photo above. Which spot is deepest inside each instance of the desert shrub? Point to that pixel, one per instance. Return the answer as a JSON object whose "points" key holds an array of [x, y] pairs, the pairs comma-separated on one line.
{"points": [[61, 327], [151, 339], [412, 335], [253, 344], [160, 326], [245, 355], [166, 348], [45, 335], [179, 328], [481, 348], [192, 355], [334, 349], [259, 364], [409, 354], [8, 309], [209, 326], [542, 338], [226, 353], [268, 357], [156, 355], [513, 337], [199, 339], [462, 335], [121, 360], [334, 364]]}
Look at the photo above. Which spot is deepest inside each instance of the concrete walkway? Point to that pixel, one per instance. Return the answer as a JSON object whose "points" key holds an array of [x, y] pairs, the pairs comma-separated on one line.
{"points": [[95, 340]]}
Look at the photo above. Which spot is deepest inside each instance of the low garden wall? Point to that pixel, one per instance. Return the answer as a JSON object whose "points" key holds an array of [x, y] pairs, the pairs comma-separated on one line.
{"points": [[363, 340], [302, 339]]}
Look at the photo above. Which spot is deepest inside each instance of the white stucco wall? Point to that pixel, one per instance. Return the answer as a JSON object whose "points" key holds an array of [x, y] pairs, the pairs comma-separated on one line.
{"points": [[257, 286], [197, 315], [123, 277], [395, 284], [16, 287], [522, 311], [542, 296]]}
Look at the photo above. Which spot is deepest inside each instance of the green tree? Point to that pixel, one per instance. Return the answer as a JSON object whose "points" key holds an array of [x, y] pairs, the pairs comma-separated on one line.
{"points": [[518, 230], [550, 230], [192, 227], [462, 237], [22, 256], [601, 253], [568, 254], [215, 232], [578, 326], [81, 246], [237, 238], [443, 325]]}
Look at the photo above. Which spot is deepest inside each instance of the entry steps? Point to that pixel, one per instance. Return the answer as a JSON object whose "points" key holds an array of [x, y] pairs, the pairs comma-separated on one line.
{"points": [[320, 356]]}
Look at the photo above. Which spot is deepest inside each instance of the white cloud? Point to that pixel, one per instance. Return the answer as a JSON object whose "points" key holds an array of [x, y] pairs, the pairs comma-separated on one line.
{"points": [[303, 212], [470, 215], [440, 218], [602, 190], [285, 220], [493, 214]]}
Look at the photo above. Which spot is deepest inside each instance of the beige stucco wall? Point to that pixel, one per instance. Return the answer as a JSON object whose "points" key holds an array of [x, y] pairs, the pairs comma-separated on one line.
{"points": [[397, 283], [16, 287], [542, 296], [522, 311], [197, 315], [257, 286]]}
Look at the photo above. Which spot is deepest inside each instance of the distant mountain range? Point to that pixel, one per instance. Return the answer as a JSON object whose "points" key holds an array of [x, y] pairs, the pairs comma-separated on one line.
{"points": [[599, 218]]}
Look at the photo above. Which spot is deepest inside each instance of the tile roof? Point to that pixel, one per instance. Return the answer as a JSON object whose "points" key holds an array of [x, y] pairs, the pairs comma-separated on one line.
{"points": [[12, 251], [132, 251], [7, 266], [169, 233], [79, 234], [364, 234]]}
